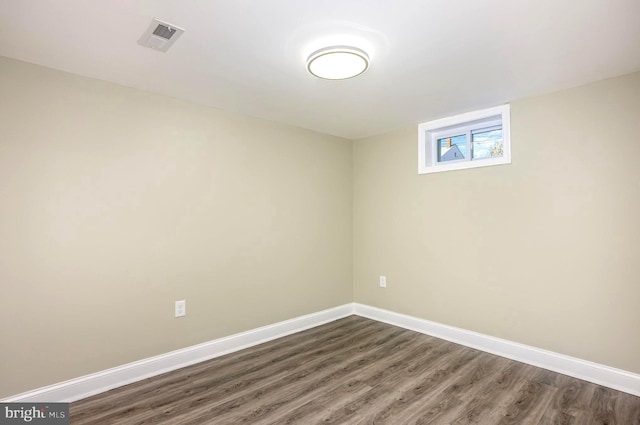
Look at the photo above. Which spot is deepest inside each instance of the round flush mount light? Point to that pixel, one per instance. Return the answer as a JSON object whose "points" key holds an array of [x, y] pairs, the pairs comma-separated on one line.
{"points": [[338, 62]]}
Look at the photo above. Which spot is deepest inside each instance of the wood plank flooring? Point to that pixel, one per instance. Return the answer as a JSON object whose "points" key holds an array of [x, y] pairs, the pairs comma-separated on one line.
{"points": [[359, 371]]}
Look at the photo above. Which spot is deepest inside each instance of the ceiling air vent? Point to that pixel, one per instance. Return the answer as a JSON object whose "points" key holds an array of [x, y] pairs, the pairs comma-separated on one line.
{"points": [[160, 35]]}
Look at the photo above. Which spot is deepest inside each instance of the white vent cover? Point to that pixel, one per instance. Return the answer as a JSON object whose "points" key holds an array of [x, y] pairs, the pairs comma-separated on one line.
{"points": [[160, 35]]}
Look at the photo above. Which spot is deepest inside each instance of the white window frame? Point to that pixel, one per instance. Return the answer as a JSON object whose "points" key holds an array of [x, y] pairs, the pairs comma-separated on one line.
{"points": [[430, 132]]}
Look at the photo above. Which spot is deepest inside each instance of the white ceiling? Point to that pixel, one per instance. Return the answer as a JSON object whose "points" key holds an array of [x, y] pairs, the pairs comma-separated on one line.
{"points": [[428, 58]]}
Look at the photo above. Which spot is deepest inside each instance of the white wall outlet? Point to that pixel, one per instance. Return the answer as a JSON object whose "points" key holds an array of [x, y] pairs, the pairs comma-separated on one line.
{"points": [[181, 308], [383, 281]]}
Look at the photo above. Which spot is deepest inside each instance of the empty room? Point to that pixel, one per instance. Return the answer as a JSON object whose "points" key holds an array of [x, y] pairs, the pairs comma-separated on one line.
{"points": [[296, 212]]}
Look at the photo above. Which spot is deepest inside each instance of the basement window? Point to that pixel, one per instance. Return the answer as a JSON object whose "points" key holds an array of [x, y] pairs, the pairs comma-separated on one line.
{"points": [[475, 139]]}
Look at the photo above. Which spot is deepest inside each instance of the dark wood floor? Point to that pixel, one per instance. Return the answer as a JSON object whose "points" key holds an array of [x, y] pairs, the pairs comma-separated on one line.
{"points": [[359, 371]]}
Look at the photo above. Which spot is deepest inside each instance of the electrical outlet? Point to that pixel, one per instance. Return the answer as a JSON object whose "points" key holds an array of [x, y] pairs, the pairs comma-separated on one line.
{"points": [[383, 281], [181, 308]]}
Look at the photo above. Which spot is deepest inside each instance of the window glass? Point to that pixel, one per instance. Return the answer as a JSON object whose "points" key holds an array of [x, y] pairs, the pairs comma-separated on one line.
{"points": [[487, 143], [452, 148]]}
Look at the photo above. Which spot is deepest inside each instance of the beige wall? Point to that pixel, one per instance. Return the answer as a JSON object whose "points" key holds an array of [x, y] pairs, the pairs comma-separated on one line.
{"points": [[544, 251], [116, 202]]}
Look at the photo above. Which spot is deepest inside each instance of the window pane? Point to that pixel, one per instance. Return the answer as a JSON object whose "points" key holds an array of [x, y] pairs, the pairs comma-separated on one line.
{"points": [[487, 144], [452, 148]]}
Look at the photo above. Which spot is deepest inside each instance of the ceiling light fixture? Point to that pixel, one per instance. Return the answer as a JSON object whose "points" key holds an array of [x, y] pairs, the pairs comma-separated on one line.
{"points": [[338, 62]]}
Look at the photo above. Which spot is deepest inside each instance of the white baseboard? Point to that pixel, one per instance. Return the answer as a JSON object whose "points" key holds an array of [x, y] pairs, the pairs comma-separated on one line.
{"points": [[588, 371], [95, 383], [85, 386]]}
